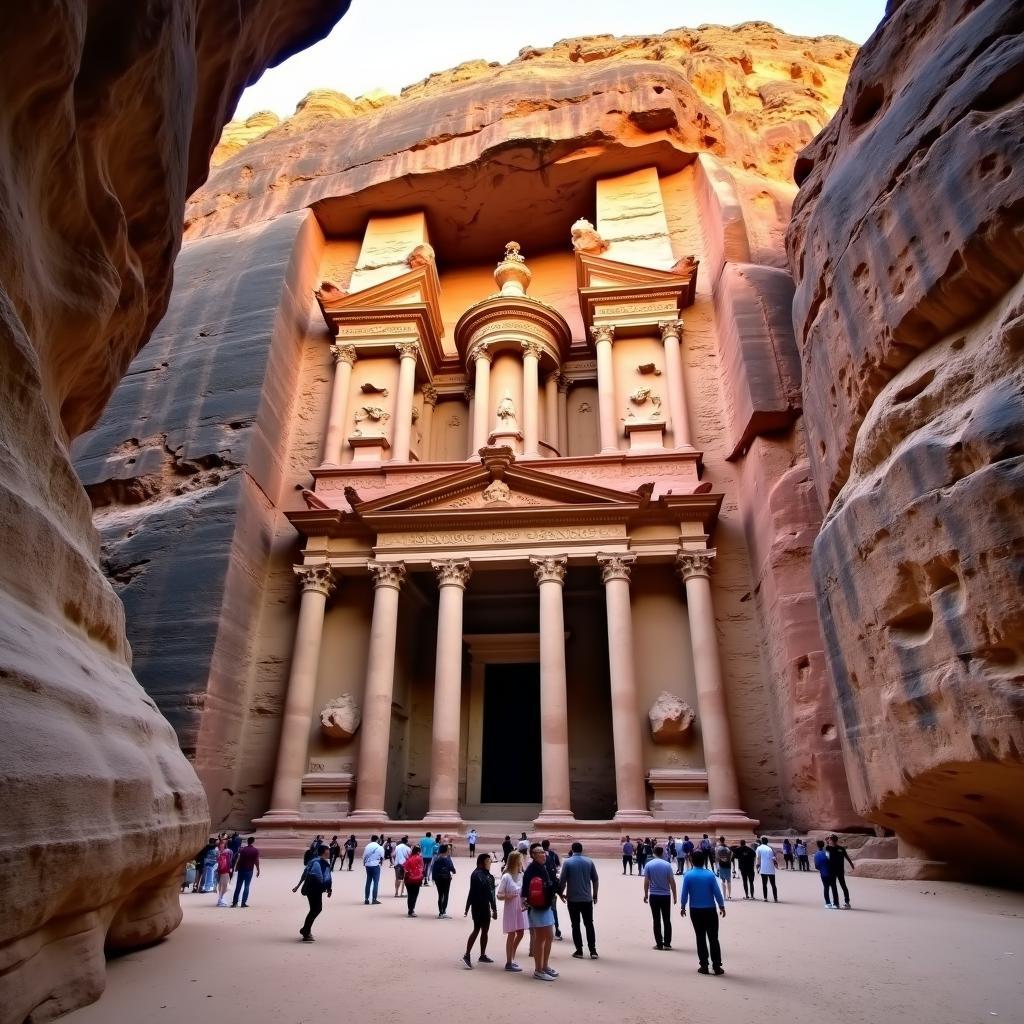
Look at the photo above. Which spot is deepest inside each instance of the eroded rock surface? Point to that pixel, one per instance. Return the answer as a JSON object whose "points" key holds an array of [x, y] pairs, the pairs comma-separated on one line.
{"points": [[341, 717], [108, 115], [908, 248], [671, 718]]}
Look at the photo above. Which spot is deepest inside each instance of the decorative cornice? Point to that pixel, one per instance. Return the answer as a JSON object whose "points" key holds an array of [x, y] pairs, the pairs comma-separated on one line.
{"points": [[695, 563], [344, 354], [407, 349], [549, 568], [616, 567], [387, 574], [602, 332], [670, 329], [452, 573], [317, 578], [531, 348], [429, 395]]}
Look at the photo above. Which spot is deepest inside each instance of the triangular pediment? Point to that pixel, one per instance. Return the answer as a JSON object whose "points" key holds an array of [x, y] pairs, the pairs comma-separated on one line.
{"points": [[598, 272]]}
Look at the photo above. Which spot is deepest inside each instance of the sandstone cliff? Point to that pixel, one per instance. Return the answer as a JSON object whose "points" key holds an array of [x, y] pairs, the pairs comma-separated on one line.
{"points": [[907, 244], [108, 115]]}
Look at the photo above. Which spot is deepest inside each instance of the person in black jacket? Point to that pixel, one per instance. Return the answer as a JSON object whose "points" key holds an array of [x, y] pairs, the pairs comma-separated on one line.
{"points": [[442, 872], [315, 881], [838, 858], [482, 903], [745, 858]]}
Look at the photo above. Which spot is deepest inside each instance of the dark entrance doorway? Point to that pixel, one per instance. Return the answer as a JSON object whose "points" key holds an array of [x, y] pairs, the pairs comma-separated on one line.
{"points": [[510, 758]]}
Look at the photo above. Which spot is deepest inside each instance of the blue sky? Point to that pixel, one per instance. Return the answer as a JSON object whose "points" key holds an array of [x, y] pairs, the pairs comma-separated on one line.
{"points": [[386, 44]]}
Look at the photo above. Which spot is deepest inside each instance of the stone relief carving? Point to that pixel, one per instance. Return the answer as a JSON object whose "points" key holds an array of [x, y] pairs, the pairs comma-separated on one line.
{"points": [[454, 421], [616, 567], [315, 577], [671, 718], [506, 413], [646, 369], [496, 491], [586, 239], [549, 568], [421, 256], [695, 563], [641, 397], [584, 407], [452, 572], [344, 354], [373, 413], [686, 266], [340, 717], [329, 290], [371, 389]]}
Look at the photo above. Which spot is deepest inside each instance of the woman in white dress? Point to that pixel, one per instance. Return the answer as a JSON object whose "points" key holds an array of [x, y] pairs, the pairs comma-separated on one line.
{"points": [[513, 922]]}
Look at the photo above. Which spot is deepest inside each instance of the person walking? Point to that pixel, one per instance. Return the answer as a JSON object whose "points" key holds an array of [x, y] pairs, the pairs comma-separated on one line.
{"points": [[746, 858], [428, 847], [246, 862], [627, 855], [225, 869], [701, 890], [507, 847], [350, 850], [402, 852], [723, 865], [315, 882], [443, 870], [577, 886], [554, 864], [642, 853], [335, 847], [828, 880], [684, 861], [206, 867], [414, 871], [838, 858], [660, 894], [538, 900], [787, 854], [708, 849], [373, 855], [767, 863], [801, 854], [513, 916], [481, 902], [471, 841]]}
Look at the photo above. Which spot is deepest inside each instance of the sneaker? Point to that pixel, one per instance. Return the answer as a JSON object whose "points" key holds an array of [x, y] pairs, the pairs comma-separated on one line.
{"points": [[483, 958], [558, 935], [846, 906], [719, 971], [593, 954], [659, 947], [514, 967], [412, 913], [366, 903], [578, 955], [234, 904], [376, 903], [828, 906], [541, 976], [551, 971], [667, 946], [703, 970], [308, 938], [468, 962]]}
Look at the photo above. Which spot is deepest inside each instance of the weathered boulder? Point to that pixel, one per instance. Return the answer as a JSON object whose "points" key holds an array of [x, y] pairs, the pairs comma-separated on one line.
{"points": [[671, 718], [907, 244], [341, 717], [108, 115]]}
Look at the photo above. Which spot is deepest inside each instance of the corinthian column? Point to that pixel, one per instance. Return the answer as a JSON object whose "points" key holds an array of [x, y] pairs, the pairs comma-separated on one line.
{"points": [[407, 352], [671, 332], [554, 709], [531, 403], [482, 398], [317, 583], [723, 787], [452, 577], [627, 738], [606, 387], [427, 420], [334, 441], [380, 684]]}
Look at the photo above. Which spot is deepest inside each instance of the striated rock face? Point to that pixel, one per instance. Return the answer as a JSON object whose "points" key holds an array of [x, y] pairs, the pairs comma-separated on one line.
{"points": [[108, 114], [908, 247], [671, 718]]}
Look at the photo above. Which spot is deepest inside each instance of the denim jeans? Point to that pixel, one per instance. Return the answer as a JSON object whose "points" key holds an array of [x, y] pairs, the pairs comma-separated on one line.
{"points": [[209, 878], [372, 882], [243, 879]]}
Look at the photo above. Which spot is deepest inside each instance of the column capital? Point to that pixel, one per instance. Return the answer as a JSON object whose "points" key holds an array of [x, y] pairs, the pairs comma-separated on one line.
{"points": [[467, 392], [344, 353], [318, 578], [531, 348], [429, 395], [387, 574], [407, 349], [563, 383], [549, 568], [452, 572], [602, 332], [670, 329], [694, 563], [480, 351], [616, 567]]}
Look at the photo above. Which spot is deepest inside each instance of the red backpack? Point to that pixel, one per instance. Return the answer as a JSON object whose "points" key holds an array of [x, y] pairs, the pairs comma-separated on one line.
{"points": [[536, 896]]}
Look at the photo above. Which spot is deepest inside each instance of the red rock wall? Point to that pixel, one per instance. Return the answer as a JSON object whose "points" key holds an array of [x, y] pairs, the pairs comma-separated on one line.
{"points": [[108, 115], [907, 244]]}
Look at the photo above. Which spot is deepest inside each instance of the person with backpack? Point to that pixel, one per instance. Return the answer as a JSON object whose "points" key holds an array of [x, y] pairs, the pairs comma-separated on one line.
{"points": [[828, 880], [641, 855], [707, 848], [442, 872], [838, 858], [484, 908], [225, 869], [687, 853], [414, 869], [315, 881], [350, 850], [554, 863], [723, 864], [538, 900]]}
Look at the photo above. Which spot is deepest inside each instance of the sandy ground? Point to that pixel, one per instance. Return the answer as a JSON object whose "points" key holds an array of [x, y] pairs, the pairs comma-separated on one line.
{"points": [[928, 952]]}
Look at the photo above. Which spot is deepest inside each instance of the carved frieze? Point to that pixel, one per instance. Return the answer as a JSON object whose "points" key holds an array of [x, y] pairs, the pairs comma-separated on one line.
{"points": [[513, 535]]}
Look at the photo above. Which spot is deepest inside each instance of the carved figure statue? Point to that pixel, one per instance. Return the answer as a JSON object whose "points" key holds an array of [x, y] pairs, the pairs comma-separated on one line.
{"points": [[586, 239], [329, 290], [341, 717], [498, 490], [421, 256], [312, 501], [373, 413], [671, 718], [641, 396], [506, 412]]}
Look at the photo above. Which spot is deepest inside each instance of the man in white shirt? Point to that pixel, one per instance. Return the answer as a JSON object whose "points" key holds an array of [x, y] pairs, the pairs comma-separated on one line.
{"points": [[401, 855], [373, 855], [471, 840], [767, 862]]}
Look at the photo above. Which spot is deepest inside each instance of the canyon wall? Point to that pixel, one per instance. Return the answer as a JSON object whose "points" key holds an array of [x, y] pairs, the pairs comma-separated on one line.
{"points": [[108, 116], [907, 243]]}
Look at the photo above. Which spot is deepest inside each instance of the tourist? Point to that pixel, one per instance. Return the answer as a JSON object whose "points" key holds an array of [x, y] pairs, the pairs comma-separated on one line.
{"points": [[828, 879], [513, 916], [442, 872], [310, 853], [206, 865], [471, 841], [642, 852], [767, 862], [247, 860], [801, 855], [685, 861], [839, 858], [670, 850], [427, 848], [660, 894], [723, 863], [235, 846], [577, 885], [524, 838], [506, 848], [539, 898], [746, 858], [350, 850], [554, 863], [627, 855], [225, 869], [708, 849], [402, 852], [373, 854], [481, 902], [414, 871], [787, 854], [315, 881], [389, 850], [188, 879], [701, 889], [335, 847]]}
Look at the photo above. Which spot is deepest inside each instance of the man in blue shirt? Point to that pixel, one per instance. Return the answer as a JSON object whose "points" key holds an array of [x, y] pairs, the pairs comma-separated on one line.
{"points": [[427, 847], [700, 887], [660, 894]]}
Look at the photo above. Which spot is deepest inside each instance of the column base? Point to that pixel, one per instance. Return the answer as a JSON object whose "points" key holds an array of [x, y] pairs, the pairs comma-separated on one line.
{"points": [[641, 814], [280, 814], [556, 817], [363, 814], [450, 819]]}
